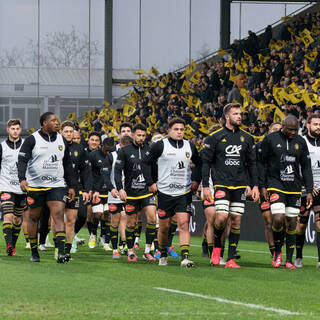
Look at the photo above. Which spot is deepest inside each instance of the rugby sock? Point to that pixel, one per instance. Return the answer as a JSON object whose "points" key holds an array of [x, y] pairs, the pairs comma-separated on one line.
{"points": [[79, 224], [318, 243], [107, 232], [210, 249], [271, 248], [34, 245], [163, 251], [184, 250], [103, 229], [114, 237], [155, 241], [218, 232], [94, 227], [234, 237], [7, 232], [68, 247], [26, 237], [55, 241], [290, 243], [222, 252], [15, 233], [278, 236], [137, 231], [89, 226], [299, 244], [60, 241], [171, 232], [150, 233], [129, 237]]}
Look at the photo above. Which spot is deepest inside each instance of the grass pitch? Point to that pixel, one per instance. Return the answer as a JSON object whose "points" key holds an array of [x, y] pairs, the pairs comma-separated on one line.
{"points": [[93, 286]]}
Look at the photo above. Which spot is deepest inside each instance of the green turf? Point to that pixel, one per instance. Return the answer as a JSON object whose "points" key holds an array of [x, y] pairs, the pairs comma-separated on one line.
{"points": [[93, 286]]}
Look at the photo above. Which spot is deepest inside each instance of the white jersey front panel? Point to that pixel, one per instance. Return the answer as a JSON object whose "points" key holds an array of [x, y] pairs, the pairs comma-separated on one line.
{"points": [[45, 168], [9, 172], [315, 161], [174, 172], [111, 199]]}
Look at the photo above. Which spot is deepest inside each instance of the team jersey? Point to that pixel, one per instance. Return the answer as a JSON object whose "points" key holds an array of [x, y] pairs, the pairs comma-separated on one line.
{"points": [[314, 151], [231, 157], [282, 159], [113, 158], [9, 181]]}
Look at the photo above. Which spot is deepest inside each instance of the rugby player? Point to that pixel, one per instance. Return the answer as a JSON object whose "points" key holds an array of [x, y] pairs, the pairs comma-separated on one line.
{"points": [[44, 171], [135, 191], [313, 142], [283, 153], [13, 199], [175, 185], [264, 203], [229, 154]]}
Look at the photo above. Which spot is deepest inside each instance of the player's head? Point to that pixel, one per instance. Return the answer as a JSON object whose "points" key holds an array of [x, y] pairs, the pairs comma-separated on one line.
{"points": [[125, 129], [139, 134], [176, 128], [313, 125], [232, 114], [94, 140], [107, 144], [76, 136], [67, 130], [49, 122], [274, 127], [14, 129], [125, 140], [290, 126]]}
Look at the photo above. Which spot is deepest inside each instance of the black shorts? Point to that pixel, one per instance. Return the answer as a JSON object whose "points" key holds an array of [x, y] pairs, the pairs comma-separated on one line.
{"points": [[74, 204], [315, 203], [230, 200], [40, 198], [19, 200], [289, 204], [168, 205], [115, 208], [133, 206]]}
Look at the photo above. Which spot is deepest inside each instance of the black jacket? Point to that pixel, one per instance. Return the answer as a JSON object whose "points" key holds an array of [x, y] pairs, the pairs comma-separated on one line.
{"points": [[282, 159], [231, 157]]}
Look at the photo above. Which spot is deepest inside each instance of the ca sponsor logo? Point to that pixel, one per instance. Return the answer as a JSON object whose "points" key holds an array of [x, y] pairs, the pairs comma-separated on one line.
{"points": [[232, 162], [233, 150]]}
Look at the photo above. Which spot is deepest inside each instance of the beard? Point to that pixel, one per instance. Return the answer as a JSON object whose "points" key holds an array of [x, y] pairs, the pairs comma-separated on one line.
{"points": [[234, 123], [314, 134]]}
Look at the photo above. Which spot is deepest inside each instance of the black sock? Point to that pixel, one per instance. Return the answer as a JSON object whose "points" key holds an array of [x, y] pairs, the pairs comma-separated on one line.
{"points": [[26, 237], [34, 246], [222, 252], [299, 244], [89, 226], [114, 237], [184, 250], [150, 233], [103, 229], [107, 232], [15, 233], [163, 251], [129, 237], [210, 249], [218, 232], [318, 243], [55, 241], [278, 236], [137, 230], [234, 237], [79, 223], [43, 231], [272, 248], [171, 232], [290, 244], [7, 232], [60, 241], [68, 247], [94, 227], [155, 241]]}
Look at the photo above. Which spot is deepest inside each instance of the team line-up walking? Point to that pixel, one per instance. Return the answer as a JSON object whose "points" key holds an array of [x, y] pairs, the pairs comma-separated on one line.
{"points": [[50, 180]]}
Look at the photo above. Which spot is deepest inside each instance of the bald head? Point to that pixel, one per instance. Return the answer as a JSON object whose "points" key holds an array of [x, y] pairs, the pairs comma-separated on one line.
{"points": [[290, 126]]}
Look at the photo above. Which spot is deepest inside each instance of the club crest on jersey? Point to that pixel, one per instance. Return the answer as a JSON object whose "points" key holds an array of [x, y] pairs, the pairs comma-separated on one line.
{"points": [[224, 140], [241, 138], [188, 155], [296, 146], [60, 147], [76, 153]]}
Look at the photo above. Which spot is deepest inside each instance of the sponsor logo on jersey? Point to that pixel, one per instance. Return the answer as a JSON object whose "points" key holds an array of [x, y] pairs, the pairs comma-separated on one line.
{"points": [[112, 207], [296, 146], [176, 186], [219, 194], [180, 165], [30, 200], [265, 205], [129, 208], [274, 197], [161, 213], [232, 162], [5, 196], [76, 153], [233, 150], [49, 178]]}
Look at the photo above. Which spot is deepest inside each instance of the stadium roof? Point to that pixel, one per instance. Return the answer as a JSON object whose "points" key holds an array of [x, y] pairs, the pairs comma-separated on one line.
{"points": [[56, 76]]}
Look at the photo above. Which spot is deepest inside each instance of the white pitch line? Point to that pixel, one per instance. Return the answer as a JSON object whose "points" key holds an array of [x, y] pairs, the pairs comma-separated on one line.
{"points": [[238, 303]]}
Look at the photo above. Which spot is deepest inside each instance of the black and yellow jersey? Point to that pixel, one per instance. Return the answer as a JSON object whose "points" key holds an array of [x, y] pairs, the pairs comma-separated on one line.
{"points": [[231, 156]]}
